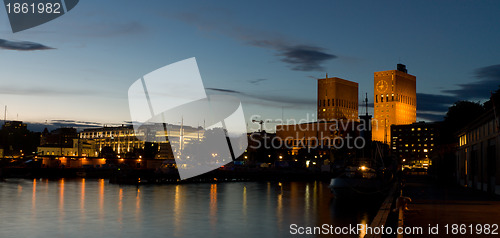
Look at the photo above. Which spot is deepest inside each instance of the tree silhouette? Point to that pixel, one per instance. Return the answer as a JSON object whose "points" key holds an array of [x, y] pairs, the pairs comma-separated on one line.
{"points": [[495, 98], [457, 117]]}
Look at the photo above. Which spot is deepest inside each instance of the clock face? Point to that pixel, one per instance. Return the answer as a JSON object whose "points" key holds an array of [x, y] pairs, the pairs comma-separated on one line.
{"points": [[382, 86]]}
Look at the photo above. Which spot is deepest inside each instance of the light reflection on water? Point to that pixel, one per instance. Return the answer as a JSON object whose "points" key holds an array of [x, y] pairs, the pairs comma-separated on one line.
{"points": [[95, 208]]}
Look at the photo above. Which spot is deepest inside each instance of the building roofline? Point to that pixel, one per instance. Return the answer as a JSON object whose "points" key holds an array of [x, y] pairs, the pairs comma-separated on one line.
{"points": [[341, 80]]}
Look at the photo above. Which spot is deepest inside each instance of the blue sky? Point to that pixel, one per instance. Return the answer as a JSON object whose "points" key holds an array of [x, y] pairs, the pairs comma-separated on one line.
{"points": [[268, 53]]}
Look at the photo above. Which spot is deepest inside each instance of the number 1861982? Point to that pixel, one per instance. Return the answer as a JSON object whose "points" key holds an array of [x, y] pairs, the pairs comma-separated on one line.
{"points": [[470, 229], [34, 8]]}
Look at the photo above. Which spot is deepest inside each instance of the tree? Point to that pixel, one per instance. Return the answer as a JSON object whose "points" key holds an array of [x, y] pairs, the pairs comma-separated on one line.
{"points": [[457, 117], [488, 105]]}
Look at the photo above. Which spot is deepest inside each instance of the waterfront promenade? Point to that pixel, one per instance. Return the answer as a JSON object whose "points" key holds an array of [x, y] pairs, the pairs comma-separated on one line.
{"points": [[439, 205]]}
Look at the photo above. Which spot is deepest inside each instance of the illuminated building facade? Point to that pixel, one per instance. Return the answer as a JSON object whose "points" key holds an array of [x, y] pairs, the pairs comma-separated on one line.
{"points": [[337, 123], [79, 148], [337, 99], [412, 144], [395, 101], [123, 139]]}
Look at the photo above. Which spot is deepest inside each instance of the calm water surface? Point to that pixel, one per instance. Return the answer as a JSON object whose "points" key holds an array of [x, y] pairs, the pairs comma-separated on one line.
{"points": [[95, 208]]}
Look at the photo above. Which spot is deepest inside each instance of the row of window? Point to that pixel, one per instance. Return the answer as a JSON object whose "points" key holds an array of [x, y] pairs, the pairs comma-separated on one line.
{"points": [[414, 150], [399, 98], [338, 103], [486, 129], [394, 138], [413, 145], [107, 134], [414, 129]]}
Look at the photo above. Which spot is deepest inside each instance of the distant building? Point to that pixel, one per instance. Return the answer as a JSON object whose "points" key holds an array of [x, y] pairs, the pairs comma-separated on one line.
{"points": [[12, 126], [317, 135], [478, 154], [395, 101], [337, 125], [337, 99], [17, 141], [412, 144], [123, 139], [78, 148], [59, 137]]}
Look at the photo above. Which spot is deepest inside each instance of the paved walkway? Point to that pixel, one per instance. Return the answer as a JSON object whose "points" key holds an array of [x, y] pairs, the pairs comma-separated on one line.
{"points": [[440, 205]]}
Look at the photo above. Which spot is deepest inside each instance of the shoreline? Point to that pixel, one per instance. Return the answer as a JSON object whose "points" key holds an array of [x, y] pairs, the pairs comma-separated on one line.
{"points": [[154, 176]]}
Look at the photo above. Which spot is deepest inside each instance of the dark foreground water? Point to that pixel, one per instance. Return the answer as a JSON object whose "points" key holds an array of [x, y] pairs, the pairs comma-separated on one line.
{"points": [[94, 208]]}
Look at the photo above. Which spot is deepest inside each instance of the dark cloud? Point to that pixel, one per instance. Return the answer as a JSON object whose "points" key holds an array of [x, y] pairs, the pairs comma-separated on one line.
{"points": [[256, 81], [54, 124], [223, 90], [305, 58], [475, 90], [270, 100], [434, 102], [300, 57], [295, 101], [435, 106], [489, 80], [22, 45], [31, 91], [489, 72]]}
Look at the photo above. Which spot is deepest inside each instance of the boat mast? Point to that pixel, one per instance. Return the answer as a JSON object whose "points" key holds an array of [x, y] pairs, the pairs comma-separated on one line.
{"points": [[366, 104]]}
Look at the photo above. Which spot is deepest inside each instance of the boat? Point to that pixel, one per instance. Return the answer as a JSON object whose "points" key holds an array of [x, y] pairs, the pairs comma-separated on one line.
{"points": [[361, 180]]}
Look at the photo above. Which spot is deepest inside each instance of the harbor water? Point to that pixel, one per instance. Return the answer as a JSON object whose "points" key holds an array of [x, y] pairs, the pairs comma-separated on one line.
{"points": [[95, 208]]}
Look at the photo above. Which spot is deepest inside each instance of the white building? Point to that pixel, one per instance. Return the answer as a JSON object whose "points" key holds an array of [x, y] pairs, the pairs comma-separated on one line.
{"points": [[80, 148]]}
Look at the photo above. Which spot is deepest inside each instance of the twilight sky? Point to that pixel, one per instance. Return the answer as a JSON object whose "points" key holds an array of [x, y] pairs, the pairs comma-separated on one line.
{"points": [[77, 69]]}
